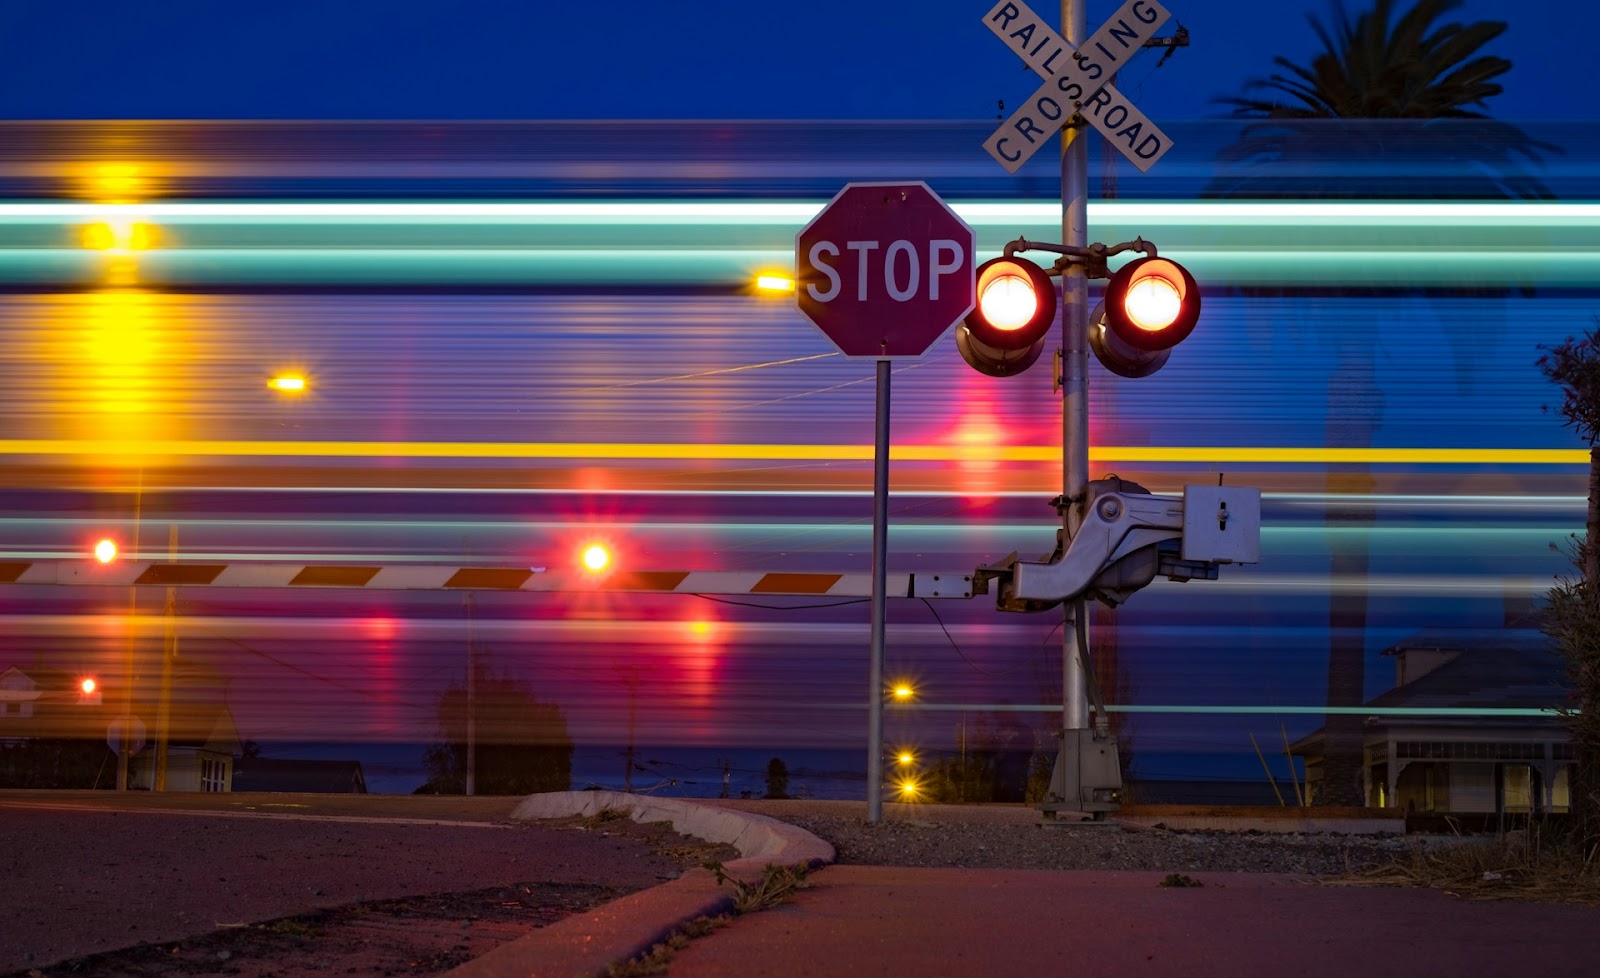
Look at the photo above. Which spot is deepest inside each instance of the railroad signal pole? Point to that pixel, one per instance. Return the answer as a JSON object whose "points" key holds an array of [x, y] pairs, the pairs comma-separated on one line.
{"points": [[1077, 69]]}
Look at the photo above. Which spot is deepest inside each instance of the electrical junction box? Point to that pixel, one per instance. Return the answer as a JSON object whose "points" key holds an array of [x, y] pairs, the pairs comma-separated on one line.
{"points": [[1222, 524]]}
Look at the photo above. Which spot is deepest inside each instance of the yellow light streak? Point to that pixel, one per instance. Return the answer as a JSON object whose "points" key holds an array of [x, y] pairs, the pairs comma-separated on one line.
{"points": [[644, 451], [115, 183], [288, 383]]}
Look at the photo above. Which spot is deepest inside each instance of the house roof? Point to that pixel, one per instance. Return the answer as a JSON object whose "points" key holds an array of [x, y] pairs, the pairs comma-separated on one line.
{"points": [[1497, 668], [1500, 668], [36, 678]]}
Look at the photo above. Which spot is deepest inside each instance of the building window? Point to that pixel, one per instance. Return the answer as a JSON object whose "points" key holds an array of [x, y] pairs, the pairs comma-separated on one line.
{"points": [[1561, 790], [1470, 751], [213, 775], [1516, 787]]}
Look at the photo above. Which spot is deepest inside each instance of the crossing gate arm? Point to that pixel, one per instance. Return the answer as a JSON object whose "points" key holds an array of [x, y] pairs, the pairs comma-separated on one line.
{"points": [[446, 577]]}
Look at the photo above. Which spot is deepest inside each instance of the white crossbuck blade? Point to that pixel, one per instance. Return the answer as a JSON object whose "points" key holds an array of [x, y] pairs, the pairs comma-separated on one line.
{"points": [[1077, 80]]}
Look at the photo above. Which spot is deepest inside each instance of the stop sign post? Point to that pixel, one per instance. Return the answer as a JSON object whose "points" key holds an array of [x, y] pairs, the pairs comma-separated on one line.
{"points": [[884, 271]]}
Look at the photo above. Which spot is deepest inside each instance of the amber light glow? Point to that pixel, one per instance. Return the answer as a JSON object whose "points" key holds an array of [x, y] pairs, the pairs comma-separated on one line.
{"points": [[105, 551], [119, 237], [88, 685], [116, 183]]}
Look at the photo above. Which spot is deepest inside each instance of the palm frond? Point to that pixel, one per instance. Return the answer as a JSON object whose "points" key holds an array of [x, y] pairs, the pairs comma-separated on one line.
{"points": [[1374, 66]]}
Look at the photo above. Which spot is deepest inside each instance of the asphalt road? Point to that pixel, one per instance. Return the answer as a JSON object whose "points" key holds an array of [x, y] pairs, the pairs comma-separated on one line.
{"points": [[94, 872]]}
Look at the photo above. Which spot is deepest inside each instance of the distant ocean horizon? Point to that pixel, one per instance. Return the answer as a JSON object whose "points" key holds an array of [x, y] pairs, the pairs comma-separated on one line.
{"points": [[697, 772], [678, 772]]}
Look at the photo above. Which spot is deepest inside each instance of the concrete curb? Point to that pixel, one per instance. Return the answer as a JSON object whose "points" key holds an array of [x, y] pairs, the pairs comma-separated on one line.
{"points": [[585, 945], [757, 837]]}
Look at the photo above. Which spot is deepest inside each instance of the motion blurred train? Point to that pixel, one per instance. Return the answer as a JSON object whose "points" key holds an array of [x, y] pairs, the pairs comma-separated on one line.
{"points": [[499, 344]]}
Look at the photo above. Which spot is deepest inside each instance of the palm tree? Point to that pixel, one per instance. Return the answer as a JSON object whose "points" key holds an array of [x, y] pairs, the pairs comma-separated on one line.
{"points": [[1368, 70], [1376, 91], [1381, 89]]}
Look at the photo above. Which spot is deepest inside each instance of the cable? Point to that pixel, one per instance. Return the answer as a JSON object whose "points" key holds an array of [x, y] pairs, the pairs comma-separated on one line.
{"points": [[780, 607], [953, 645], [347, 687]]}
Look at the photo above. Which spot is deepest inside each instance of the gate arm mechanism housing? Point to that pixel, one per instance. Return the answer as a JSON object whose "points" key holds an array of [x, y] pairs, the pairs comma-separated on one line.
{"points": [[1126, 538]]}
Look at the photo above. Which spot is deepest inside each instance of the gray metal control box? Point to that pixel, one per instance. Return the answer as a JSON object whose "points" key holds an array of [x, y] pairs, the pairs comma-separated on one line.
{"points": [[1222, 524]]}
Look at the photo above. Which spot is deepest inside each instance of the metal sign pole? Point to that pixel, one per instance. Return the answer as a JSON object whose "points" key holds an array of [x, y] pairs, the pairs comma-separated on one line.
{"points": [[880, 555], [1074, 379]]}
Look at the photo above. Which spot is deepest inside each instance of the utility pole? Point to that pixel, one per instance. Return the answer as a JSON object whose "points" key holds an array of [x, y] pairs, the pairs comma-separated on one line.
{"points": [[169, 655], [633, 708], [124, 751], [472, 703]]}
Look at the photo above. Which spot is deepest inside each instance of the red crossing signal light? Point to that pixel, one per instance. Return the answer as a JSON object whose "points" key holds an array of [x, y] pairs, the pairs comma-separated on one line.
{"points": [[1005, 332], [1150, 306]]}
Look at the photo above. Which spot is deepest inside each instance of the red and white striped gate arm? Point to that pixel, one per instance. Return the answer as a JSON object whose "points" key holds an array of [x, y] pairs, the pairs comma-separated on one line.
{"points": [[447, 577]]}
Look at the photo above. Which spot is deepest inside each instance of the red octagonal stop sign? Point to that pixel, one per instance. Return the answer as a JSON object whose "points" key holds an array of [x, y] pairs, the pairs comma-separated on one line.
{"points": [[885, 269]]}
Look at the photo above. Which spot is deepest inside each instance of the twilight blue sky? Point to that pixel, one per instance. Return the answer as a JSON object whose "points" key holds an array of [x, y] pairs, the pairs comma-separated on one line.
{"points": [[612, 59]]}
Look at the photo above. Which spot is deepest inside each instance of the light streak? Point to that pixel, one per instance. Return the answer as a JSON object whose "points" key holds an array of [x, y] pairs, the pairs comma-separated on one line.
{"points": [[644, 212], [1551, 712], [1399, 244], [652, 451]]}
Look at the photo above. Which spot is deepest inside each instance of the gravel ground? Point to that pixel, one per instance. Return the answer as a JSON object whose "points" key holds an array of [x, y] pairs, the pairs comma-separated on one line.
{"points": [[1009, 837]]}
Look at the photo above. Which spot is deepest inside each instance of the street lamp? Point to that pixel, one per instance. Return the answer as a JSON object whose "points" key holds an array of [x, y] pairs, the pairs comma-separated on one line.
{"points": [[775, 283]]}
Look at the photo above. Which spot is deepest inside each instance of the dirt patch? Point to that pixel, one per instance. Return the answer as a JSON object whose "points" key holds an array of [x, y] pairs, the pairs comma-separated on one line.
{"points": [[420, 935]]}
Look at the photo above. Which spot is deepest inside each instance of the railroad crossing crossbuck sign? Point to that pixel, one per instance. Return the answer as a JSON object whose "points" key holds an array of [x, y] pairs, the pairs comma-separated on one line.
{"points": [[1077, 81]]}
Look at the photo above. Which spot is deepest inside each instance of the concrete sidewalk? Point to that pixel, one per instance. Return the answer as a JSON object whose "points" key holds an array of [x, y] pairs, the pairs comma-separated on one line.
{"points": [[960, 923]]}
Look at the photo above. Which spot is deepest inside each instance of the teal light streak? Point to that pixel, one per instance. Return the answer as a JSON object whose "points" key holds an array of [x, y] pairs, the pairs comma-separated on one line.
{"points": [[1365, 711], [723, 243], [1509, 263], [986, 213]]}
